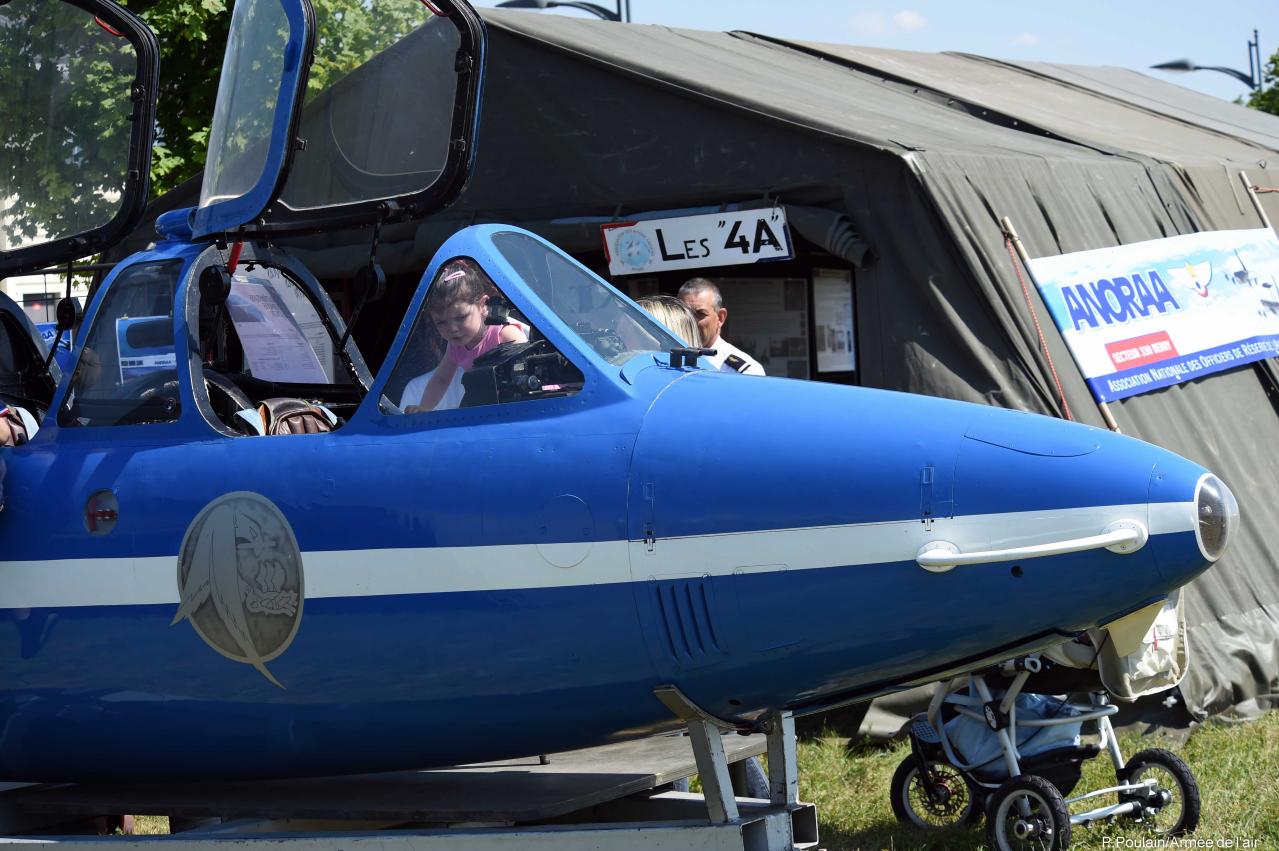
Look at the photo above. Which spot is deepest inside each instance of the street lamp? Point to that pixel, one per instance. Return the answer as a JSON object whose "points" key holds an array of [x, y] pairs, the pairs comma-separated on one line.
{"points": [[623, 12], [1252, 79]]}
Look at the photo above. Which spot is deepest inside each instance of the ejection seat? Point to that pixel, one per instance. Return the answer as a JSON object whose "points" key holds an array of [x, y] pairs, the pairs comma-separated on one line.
{"points": [[295, 416]]}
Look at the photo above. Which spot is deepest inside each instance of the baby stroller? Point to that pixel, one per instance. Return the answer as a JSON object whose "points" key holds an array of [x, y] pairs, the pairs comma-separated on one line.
{"points": [[996, 743]]}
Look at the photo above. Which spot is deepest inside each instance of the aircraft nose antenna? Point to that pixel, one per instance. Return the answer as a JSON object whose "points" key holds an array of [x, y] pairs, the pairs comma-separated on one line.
{"points": [[1218, 515]]}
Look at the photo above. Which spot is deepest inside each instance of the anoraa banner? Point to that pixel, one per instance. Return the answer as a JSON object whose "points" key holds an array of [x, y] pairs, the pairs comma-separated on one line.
{"points": [[1143, 316]]}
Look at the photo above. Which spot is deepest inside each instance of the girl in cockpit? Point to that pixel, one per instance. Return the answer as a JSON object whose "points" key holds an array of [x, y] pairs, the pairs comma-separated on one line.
{"points": [[458, 306]]}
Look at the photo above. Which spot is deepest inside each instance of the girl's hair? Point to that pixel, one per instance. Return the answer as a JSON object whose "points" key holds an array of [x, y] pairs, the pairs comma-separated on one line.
{"points": [[459, 280], [675, 315]]}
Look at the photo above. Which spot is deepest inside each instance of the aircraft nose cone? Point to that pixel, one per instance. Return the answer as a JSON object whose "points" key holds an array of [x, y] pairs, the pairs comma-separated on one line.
{"points": [[1218, 516], [1193, 514]]}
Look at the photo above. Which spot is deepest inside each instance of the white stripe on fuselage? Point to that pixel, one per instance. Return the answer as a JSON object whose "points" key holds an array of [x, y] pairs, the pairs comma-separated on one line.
{"points": [[435, 570]]}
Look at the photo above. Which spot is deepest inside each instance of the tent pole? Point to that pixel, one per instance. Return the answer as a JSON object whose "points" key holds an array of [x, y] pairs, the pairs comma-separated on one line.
{"points": [[1007, 225], [1256, 202], [1267, 374]]}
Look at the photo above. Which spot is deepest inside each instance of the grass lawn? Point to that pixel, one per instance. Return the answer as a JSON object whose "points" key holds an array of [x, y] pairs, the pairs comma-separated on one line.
{"points": [[1237, 767]]}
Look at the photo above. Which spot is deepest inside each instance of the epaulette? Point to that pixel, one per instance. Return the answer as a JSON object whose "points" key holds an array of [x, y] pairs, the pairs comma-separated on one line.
{"points": [[737, 363]]}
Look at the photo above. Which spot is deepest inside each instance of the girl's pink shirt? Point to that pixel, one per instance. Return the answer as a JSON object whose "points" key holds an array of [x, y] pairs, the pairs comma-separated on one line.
{"points": [[465, 357]]}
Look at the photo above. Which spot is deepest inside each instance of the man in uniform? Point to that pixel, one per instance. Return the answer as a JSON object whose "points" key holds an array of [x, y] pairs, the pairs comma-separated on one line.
{"points": [[703, 298]]}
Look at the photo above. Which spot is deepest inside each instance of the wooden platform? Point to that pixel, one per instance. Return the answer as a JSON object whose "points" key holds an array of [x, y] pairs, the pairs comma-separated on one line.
{"points": [[514, 792]]}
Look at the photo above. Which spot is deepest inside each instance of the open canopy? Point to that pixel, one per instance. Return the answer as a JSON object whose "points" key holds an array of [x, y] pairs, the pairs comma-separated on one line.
{"points": [[308, 134], [77, 110]]}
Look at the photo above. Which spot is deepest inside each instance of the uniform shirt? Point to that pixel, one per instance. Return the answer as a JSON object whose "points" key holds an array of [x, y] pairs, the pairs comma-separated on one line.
{"points": [[742, 362]]}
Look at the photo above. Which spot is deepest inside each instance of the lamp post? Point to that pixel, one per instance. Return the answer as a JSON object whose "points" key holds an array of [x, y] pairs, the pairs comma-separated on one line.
{"points": [[1252, 79], [623, 12]]}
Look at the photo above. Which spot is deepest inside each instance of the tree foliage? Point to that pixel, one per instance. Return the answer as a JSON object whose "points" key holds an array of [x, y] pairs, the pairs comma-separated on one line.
{"points": [[1266, 98], [62, 145], [192, 36], [67, 107], [65, 121], [350, 32]]}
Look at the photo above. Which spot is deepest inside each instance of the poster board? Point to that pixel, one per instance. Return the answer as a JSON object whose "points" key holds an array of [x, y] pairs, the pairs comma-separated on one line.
{"points": [[768, 319], [276, 347], [834, 322], [1152, 314]]}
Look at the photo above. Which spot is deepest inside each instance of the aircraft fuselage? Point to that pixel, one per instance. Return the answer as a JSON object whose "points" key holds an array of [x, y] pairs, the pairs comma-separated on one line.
{"points": [[511, 579]]}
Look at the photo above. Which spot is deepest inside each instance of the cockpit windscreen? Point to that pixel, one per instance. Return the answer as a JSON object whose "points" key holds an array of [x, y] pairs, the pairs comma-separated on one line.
{"points": [[611, 325], [244, 115], [379, 105]]}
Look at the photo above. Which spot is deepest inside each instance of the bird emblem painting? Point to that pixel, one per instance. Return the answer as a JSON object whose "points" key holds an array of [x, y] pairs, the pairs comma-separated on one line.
{"points": [[240, 580]]}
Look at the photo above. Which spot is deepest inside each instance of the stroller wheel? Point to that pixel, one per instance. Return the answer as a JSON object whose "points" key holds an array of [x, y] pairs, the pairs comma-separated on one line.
{"points": [[1027, 812], [953, 799], [1173, 808]]}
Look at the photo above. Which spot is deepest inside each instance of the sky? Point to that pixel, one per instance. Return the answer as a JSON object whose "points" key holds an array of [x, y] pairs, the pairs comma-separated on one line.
{"points": [[1128, 33]]}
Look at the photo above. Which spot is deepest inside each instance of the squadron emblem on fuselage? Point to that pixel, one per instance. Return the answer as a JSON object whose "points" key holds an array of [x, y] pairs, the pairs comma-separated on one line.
{"points": [[240, 579]]}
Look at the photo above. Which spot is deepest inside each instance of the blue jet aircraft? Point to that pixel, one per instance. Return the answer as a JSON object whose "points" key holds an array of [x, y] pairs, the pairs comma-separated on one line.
{"points": [[230, 550]]}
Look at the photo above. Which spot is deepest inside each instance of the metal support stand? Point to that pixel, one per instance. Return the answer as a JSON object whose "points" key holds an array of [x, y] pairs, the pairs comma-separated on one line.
{"points": [[783, 765], [608, 798], [686, 710], [708, 749], [705, 729], [712, 767]]}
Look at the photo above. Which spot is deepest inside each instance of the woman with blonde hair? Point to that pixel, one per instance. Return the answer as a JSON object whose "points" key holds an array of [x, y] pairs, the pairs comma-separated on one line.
{"points": [[675, 315]]}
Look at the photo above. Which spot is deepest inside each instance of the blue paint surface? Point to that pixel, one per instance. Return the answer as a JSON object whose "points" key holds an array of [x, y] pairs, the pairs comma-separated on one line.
{"points": [[432, 679]]}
